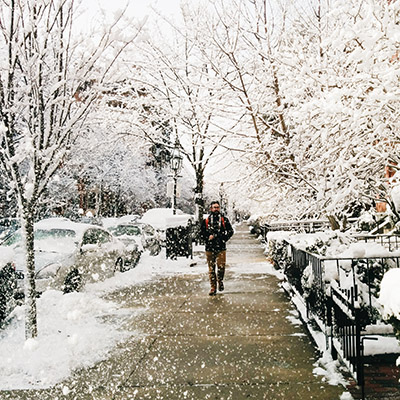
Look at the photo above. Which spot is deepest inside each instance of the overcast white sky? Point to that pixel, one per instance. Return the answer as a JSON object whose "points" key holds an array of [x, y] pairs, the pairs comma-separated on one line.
{"points": [[92, 13], [135, 8]]}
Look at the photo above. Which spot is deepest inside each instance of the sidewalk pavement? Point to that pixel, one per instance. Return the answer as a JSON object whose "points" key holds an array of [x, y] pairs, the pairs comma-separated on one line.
{"points": [[243, 343]]}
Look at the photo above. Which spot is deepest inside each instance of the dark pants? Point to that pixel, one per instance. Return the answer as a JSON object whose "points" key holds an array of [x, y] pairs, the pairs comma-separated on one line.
{"points": [[219, 260]]}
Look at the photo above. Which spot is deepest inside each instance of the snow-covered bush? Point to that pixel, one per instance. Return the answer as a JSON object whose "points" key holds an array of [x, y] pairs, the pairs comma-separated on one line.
{"points": [[277, 249], [313, 293], [255, 222]]}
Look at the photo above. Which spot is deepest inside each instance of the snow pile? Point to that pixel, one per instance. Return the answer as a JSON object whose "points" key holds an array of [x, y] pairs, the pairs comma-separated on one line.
{"points": [[332, 242], [395, 195], [6, 255], [338, 245], [362, 250], [381, 345], [72, 332], [71, 336], [329, 370], [389, 296]]}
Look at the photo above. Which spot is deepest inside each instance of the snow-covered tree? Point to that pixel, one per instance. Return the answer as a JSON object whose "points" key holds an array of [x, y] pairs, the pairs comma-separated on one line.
{"points": [[48, 84], [337, 67], [184, 95]]}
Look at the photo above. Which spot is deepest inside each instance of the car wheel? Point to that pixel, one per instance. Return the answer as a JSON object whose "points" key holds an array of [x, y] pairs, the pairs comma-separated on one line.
{"points": [[119, 265], [73, 281]]}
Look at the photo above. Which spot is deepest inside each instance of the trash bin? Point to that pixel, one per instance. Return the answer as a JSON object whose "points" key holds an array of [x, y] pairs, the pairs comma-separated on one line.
{"points": [[178, 242]]}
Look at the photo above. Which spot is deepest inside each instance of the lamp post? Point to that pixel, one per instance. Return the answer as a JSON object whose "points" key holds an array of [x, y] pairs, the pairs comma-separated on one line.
{"points": [[176, 165]]}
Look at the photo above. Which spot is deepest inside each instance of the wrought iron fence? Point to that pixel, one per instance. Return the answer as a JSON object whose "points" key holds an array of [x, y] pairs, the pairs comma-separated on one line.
{"points": [[390, 242], [307, 226], [342, 295]]}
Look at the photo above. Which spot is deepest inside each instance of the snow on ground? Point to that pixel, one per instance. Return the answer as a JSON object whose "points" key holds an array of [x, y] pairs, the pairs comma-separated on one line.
{"points": [[71, 336], [254, 268], [71, 332], [329, 370]]}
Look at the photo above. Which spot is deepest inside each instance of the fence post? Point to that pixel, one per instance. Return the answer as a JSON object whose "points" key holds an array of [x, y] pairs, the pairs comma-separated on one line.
{"points": [[359, 349], [329, 322]]}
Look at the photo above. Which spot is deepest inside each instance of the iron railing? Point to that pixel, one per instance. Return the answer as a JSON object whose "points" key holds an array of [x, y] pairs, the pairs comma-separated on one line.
{"points": [[345, 304], [307, 226], [390, 242]]}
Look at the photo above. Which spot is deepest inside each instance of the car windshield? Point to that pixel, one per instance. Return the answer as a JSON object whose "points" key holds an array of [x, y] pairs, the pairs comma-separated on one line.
{"points": [[41, 234], [130, 230], [56, 240], [51, 240]]}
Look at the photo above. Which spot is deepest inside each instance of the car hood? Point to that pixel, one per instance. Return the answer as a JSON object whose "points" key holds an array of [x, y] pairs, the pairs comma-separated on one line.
{"points": [[42, 259]]}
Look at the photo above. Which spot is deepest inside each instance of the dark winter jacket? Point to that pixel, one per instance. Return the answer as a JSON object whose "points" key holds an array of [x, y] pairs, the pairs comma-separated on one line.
{"points": [[218, 226]]}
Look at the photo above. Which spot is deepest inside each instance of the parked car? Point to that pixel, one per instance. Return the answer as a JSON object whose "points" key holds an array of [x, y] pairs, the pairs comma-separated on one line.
{"points": [[162, 218], [130, 234], [143, 235], [70, 254], [8, 290]]}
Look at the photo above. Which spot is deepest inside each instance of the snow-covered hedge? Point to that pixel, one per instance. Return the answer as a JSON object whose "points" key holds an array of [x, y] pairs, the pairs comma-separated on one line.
{"points": [[277, 250], [352, 261]]}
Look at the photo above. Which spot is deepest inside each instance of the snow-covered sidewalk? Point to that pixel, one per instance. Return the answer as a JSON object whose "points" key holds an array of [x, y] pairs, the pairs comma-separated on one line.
{"points": [[153, 332]]}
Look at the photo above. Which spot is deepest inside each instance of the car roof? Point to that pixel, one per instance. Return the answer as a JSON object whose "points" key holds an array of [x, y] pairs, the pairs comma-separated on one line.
{"points": [[63, 223]]}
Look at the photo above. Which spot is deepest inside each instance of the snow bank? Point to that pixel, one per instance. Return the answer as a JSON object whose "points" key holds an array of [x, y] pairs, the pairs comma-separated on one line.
{"points": [[72, 328], [389, 296], [370, 249], [71, 336], [279, 235]]}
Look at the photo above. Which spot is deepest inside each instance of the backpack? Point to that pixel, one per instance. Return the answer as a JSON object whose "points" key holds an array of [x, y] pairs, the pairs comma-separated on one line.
{"points": [[222, 222]]}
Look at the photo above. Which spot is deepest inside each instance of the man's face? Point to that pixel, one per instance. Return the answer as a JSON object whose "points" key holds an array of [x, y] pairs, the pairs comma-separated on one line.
{"points": [[215, 208]]}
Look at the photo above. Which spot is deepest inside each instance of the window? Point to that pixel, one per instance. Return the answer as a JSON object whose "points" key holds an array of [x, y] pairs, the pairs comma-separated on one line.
{"points": [[96, 236]]}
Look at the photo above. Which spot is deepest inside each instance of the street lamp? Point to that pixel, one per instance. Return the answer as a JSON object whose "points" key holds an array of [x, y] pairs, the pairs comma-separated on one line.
{"points": [[176, 165]]}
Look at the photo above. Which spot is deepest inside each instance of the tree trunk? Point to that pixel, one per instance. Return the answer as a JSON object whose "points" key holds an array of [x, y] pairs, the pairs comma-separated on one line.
{"points": [[199, 201], [30, 284], [334, 223]]}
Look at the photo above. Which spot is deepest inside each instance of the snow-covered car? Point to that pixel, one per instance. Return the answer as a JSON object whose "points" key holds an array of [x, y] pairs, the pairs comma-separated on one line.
{"points": [[8, 289], [69, 254], [162, 218], [131, 233]]}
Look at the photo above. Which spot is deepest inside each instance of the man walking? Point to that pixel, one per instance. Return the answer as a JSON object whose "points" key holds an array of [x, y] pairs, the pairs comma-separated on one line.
{"points": [[216, 230]]}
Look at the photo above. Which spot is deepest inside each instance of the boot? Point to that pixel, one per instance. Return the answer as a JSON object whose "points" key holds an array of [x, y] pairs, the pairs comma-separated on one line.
{"points": [[213, 282], [221, 273]]}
